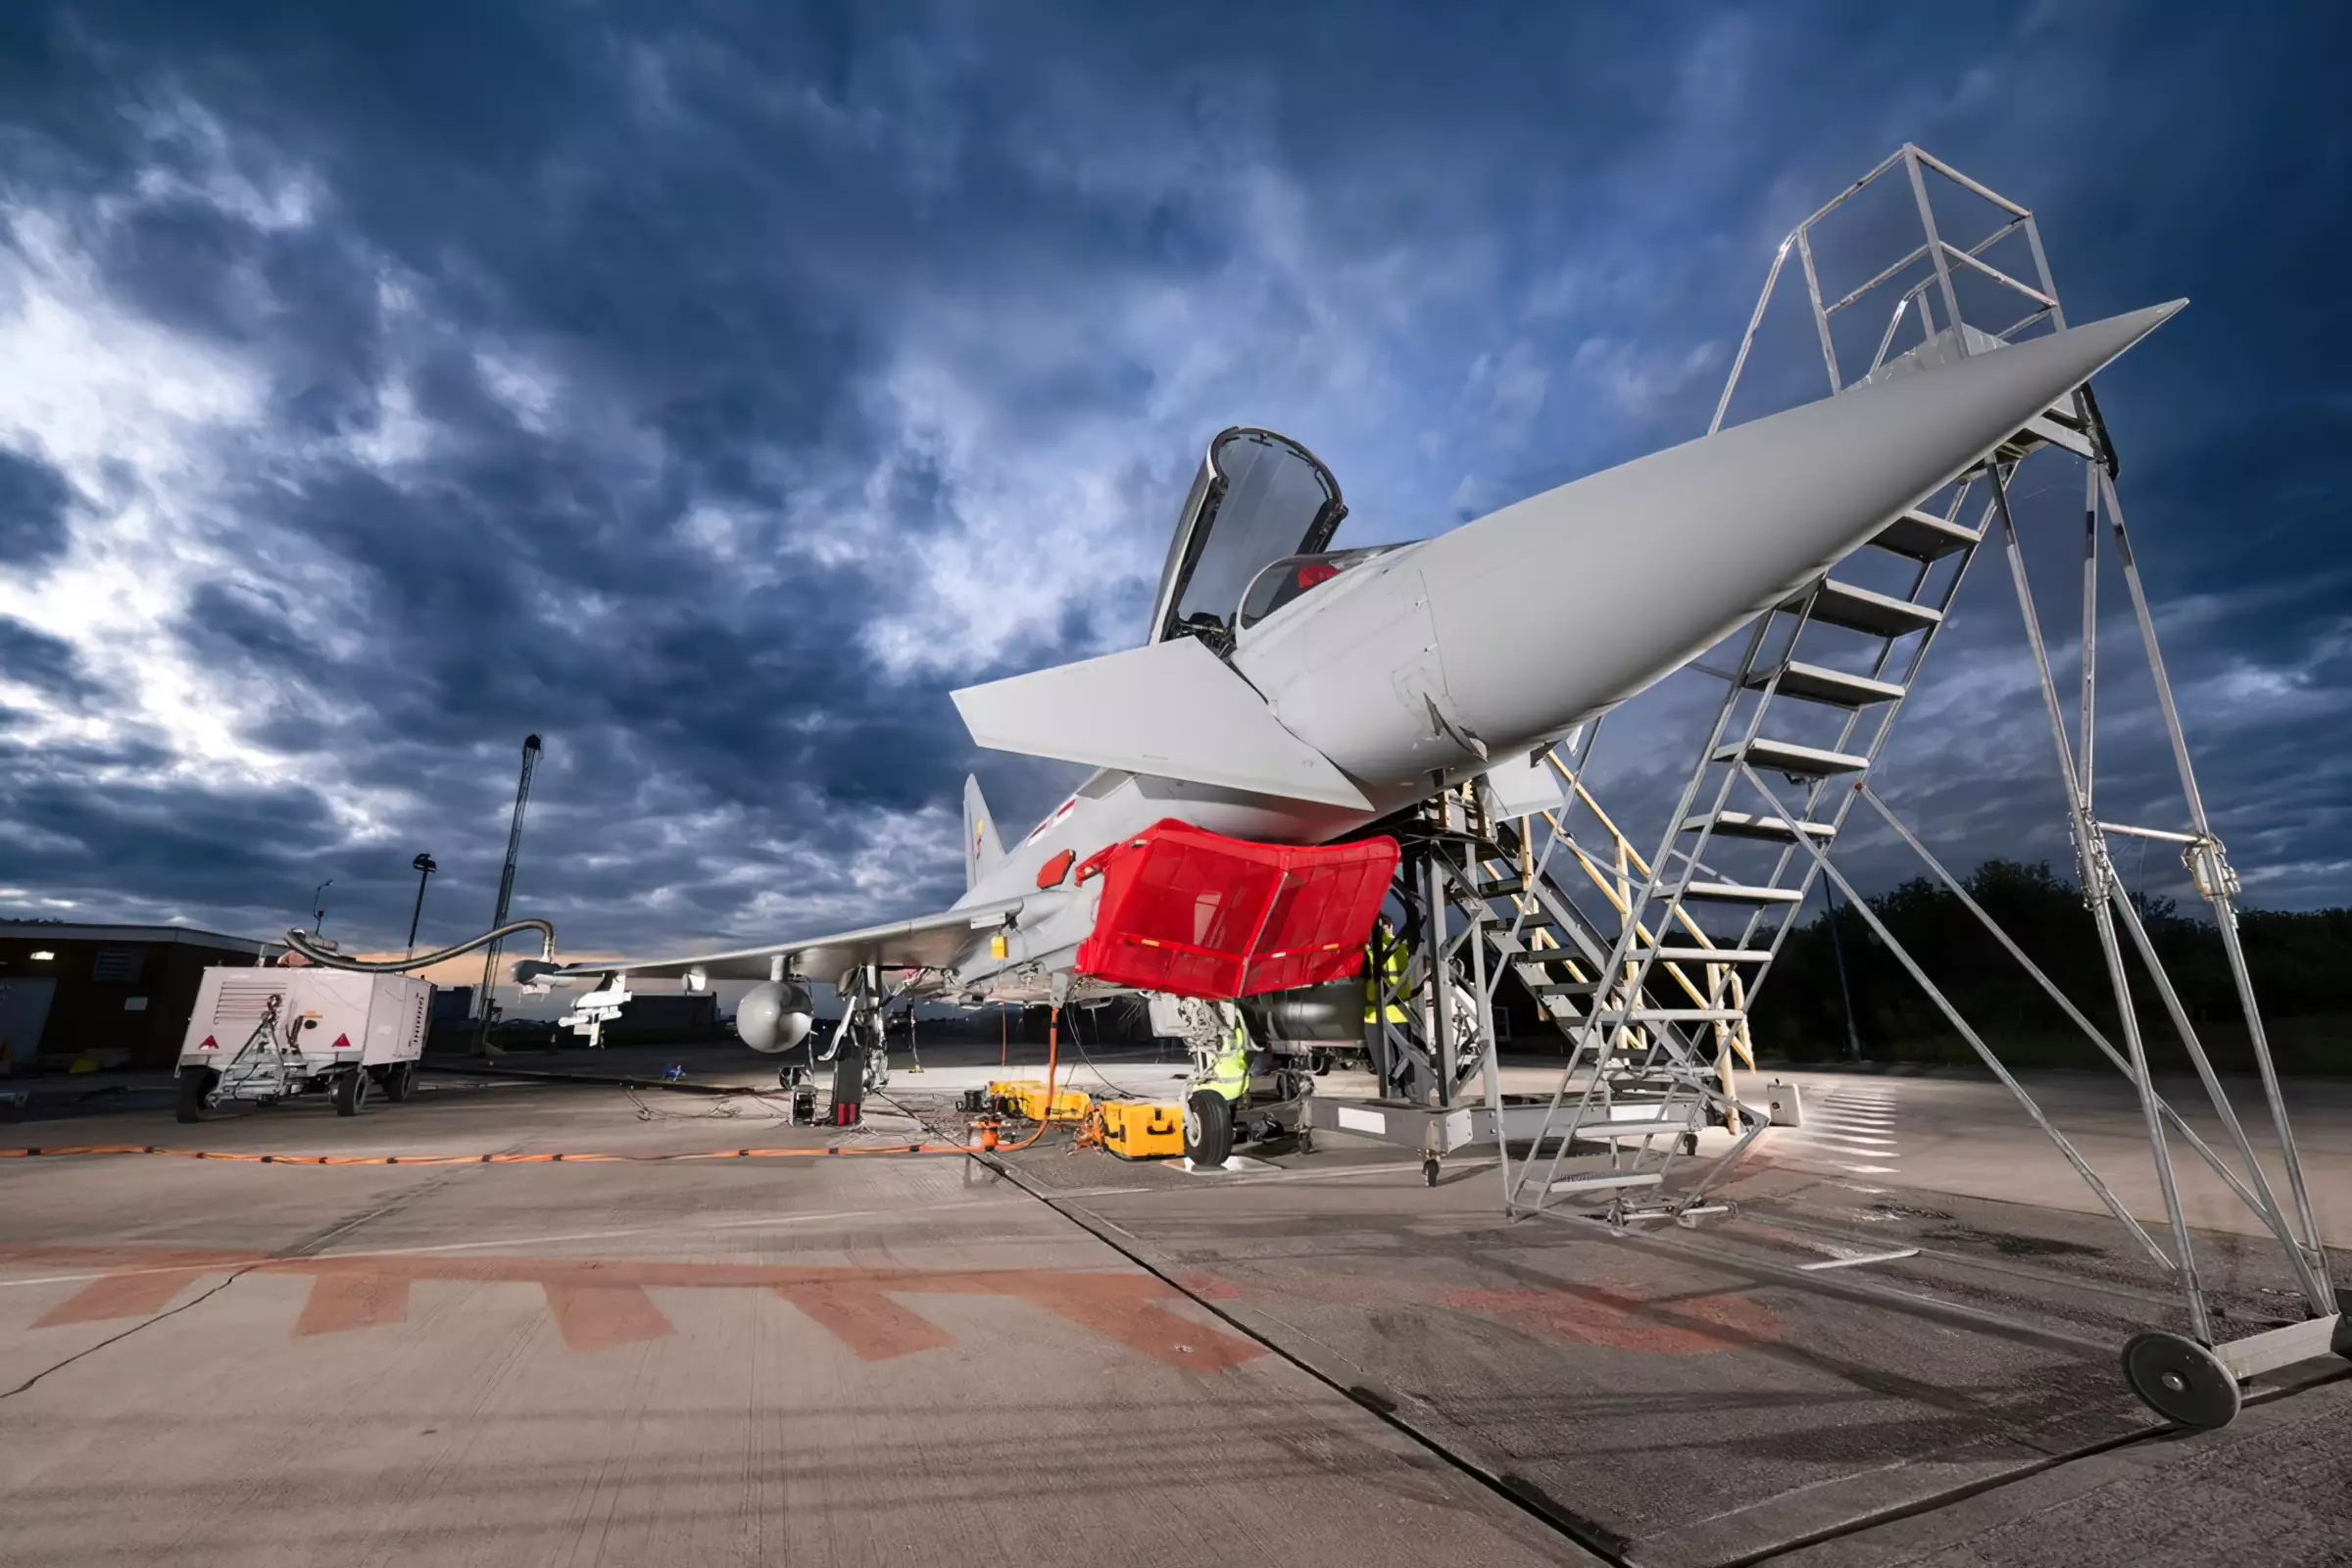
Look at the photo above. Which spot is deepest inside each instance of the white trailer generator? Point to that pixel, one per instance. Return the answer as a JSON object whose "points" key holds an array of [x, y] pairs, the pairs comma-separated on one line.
{"points": [[259, 1035]]}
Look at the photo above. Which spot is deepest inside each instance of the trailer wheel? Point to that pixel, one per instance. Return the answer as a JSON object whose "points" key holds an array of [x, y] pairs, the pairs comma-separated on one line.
{"points": [[194, 1085], [1207, 1128], [399, 1080], [2180, 1380], [351, 1092]]}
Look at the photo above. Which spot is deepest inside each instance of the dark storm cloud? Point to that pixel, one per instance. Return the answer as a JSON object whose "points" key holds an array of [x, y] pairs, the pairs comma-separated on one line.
{"points": [[705, 388], [36, 658], [33, 498]]}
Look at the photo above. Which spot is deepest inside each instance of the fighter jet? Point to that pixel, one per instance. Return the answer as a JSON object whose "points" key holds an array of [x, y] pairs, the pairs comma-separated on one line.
{"points": [[1288, 698]]}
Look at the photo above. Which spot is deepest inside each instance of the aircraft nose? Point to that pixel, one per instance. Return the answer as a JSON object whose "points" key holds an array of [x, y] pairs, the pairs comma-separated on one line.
{"points": [[1676, 550]]}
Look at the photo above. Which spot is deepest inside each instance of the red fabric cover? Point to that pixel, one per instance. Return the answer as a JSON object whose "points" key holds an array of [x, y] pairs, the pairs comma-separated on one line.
{"points": [[1199, 914]]}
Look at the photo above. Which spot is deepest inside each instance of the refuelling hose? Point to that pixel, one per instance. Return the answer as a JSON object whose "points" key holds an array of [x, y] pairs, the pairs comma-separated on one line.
{"points": [[326, 958]]}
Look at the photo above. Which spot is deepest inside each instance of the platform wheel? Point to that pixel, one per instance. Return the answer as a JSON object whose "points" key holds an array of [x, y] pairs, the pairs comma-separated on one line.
{"points": [[399, 1080], [351, 1092], [1207, 1128], [194, 1085], [1428, 1171], [2180, 1380]]}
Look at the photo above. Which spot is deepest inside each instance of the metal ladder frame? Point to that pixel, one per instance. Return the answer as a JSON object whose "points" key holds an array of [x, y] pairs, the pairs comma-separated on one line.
{"points": [[1674, 869]]}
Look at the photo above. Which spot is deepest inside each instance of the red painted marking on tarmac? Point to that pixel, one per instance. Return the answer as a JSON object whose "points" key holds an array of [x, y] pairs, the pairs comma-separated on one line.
{"points": [[1209, 1288], [602, 1304], [863, 1318], [1122, 1307], [342, 1302], [140, 1295], [1687, 1325], [605, 1314]]}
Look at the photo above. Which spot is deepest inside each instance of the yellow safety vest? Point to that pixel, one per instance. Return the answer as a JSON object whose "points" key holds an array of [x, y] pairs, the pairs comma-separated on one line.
{"points": [[1229, 1074], [1384, 968]]}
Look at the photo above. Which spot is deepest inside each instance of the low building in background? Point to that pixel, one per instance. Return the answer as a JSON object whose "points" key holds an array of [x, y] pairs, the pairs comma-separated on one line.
{"points": [[97, 997]]}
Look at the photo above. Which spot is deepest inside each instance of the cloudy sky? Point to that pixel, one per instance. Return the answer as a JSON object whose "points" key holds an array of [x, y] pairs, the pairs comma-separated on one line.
{"points": [[710, 389]]}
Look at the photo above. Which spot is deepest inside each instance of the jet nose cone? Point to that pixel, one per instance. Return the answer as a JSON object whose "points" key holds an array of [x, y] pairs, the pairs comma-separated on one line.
{"points": [[1690, 542], [2108, 339]]}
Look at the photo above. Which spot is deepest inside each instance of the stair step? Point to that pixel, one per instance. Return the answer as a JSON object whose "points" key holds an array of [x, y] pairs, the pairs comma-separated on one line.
{"points": [[1680, 1015], [2048, 427], [1832, 688], [1567, 988], [1771, 829], [1712, 955], [1603, 1184], [1923, 536], [1786, 756], [1737, 893], [1841, 603]]}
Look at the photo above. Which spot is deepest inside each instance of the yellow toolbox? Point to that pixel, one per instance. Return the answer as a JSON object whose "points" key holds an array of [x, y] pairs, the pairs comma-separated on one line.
{"points": [[1135, 1130], [1069, 1105], [1004, 1093], [1026, 1097]]}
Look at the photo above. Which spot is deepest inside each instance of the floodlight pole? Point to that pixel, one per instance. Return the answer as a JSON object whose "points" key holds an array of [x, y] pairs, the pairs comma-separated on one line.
{"points": [[424, 868]]}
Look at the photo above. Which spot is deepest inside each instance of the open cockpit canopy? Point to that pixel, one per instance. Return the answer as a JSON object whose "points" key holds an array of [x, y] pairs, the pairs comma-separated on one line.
{"points": [[1258, 499]]}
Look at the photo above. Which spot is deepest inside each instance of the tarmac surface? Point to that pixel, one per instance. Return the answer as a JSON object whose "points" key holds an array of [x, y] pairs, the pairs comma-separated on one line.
{"points": [[868, 1358]]}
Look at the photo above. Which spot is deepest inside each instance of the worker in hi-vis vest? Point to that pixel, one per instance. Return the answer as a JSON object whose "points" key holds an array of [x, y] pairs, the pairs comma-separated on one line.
{"points": [[1384, 959], [1228, 1071]]}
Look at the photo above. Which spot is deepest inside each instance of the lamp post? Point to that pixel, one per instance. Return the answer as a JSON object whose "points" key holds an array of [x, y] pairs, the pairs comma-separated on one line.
{"points": [[424, 868], [318, 906]]}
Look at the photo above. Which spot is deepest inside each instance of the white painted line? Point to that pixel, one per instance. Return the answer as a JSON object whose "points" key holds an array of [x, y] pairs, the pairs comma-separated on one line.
{"points": [[1897, 1255], [1869, 1170], [1807, 1134], [1235, 1166]]}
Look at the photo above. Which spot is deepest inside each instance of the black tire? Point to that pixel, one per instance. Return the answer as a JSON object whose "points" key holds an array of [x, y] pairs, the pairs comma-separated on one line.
{"points": [[1207, 1128], [399, 1080], [351, 1092], [2180, 1380], [1428, 1171], [1318, 1062], [194, 1084]]}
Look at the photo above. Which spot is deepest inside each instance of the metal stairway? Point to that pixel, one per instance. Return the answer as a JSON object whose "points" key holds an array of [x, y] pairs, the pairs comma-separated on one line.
{"points": [[1810, 704]]}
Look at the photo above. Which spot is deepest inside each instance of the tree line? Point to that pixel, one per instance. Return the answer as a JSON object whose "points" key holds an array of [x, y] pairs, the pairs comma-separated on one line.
{"points": [[2296, 959]]}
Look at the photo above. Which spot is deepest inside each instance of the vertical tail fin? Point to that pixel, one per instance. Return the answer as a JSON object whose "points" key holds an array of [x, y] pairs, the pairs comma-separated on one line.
{"points": [[982, 848]]}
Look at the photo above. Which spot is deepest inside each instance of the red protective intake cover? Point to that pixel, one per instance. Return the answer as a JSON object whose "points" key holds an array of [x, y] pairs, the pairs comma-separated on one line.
{"points": [[1199, 914]]}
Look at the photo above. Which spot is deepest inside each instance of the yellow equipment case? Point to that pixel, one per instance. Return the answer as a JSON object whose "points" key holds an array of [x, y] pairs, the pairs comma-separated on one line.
{"points": [[1135, 1130], [1026, 1097]]}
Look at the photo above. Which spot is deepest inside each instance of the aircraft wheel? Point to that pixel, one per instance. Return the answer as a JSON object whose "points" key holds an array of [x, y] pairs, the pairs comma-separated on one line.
{"points": [[194, 1085], [2180, 1380], [351, 1092], [1428, 1171], [1207, 1127], [1318, 1062], [399, 1080]]}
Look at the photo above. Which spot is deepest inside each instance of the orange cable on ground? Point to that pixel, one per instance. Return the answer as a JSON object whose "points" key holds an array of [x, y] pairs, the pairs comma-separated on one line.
{"points": [[834, 1151]]}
